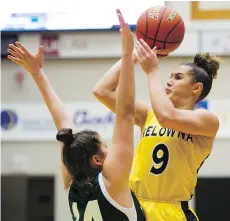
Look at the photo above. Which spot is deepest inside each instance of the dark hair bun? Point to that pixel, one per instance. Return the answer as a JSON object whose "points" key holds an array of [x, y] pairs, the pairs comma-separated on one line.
{"points": [[208, 63], [65, 135]]}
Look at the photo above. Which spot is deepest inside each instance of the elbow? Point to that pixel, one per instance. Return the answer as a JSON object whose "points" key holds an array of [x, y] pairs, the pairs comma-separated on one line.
{"points": [[98, 92], [128, 111], [164, 119]]}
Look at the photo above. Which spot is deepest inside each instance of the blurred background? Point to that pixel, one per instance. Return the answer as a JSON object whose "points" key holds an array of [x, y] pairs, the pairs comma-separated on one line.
{"points": [[81, 41]]}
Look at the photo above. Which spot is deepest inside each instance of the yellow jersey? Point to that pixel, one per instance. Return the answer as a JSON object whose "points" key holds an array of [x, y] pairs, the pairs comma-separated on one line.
{"points": [[166, 163]]}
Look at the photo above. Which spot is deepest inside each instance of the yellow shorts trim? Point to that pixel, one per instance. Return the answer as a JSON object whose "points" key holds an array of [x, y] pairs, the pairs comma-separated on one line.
{"points": [[158, 211]]}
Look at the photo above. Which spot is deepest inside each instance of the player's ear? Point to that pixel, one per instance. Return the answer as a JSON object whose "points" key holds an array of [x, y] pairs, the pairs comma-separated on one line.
{"points": [[197, 88], [97, 160]]}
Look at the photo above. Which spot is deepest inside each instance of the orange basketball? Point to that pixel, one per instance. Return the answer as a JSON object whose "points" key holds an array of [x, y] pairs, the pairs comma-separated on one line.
{"points": [[162, 27]]}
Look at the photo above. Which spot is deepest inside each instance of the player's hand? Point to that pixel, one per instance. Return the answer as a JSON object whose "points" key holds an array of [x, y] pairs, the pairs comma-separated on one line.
{"points": [[21, 56], [135, 56], [147, 57], [126, 35]]}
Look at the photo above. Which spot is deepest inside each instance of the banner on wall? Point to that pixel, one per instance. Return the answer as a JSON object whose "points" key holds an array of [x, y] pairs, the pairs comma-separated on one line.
{"points": [[50, 45], [89, 45], [29, 122]]}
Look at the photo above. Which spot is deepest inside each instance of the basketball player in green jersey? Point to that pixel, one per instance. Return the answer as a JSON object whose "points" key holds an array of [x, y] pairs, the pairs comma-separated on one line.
{"points": [[96, 178]]}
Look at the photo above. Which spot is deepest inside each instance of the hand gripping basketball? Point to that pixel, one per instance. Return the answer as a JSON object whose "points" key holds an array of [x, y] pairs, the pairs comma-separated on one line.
{"points": [[147, 57]]}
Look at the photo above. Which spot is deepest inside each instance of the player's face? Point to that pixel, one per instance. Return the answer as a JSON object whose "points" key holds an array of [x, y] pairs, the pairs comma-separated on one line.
{"points": [[104, 149], [180, 86], [99, 158]]}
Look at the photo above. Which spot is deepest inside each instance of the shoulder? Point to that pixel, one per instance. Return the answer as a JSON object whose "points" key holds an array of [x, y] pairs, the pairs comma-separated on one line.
{"points": [[207, 120], [207, 115]]}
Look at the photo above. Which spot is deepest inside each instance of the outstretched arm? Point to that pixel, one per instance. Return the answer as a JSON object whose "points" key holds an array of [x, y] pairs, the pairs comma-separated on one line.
{"points": [[121, 155], [33, 63], [106, 92]]}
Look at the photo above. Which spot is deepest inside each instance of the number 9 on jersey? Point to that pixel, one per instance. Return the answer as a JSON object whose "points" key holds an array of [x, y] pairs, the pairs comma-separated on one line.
{"points": [[160, 157]]}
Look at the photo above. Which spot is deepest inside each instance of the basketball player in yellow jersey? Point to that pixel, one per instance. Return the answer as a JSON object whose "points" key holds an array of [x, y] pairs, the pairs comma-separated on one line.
{"points": [[176, 138]]}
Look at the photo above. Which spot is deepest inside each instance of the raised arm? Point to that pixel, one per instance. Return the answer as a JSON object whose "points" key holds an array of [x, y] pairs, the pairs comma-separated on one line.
{"points": [[118, 162], [33, 63], [197, 122], [105, 91]]}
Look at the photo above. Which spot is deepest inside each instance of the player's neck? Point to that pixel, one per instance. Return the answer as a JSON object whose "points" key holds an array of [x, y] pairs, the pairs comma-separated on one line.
{"points": [[184, 105]]}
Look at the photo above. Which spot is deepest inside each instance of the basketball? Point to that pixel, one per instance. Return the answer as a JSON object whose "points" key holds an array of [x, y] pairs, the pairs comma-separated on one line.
{"points": [[163, 27]]}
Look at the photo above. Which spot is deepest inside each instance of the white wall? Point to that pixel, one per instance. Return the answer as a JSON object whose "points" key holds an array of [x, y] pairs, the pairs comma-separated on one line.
{"points": [[74, 80]]}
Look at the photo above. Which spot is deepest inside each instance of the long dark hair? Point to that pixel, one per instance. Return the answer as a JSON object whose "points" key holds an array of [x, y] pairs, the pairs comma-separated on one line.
{"points": [[77, 152]]}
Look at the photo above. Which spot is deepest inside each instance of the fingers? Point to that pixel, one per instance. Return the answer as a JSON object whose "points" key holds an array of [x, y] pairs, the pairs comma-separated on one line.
{"points": [[15, 60], [15, 54], [135, 53], [121, 21], [145, 46], [154, 49], [23, 49], [142, 53], [140, 57], [124, 26], [19, 52], [126, 34], [120, 17], [125, 30], [40, 51]]}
